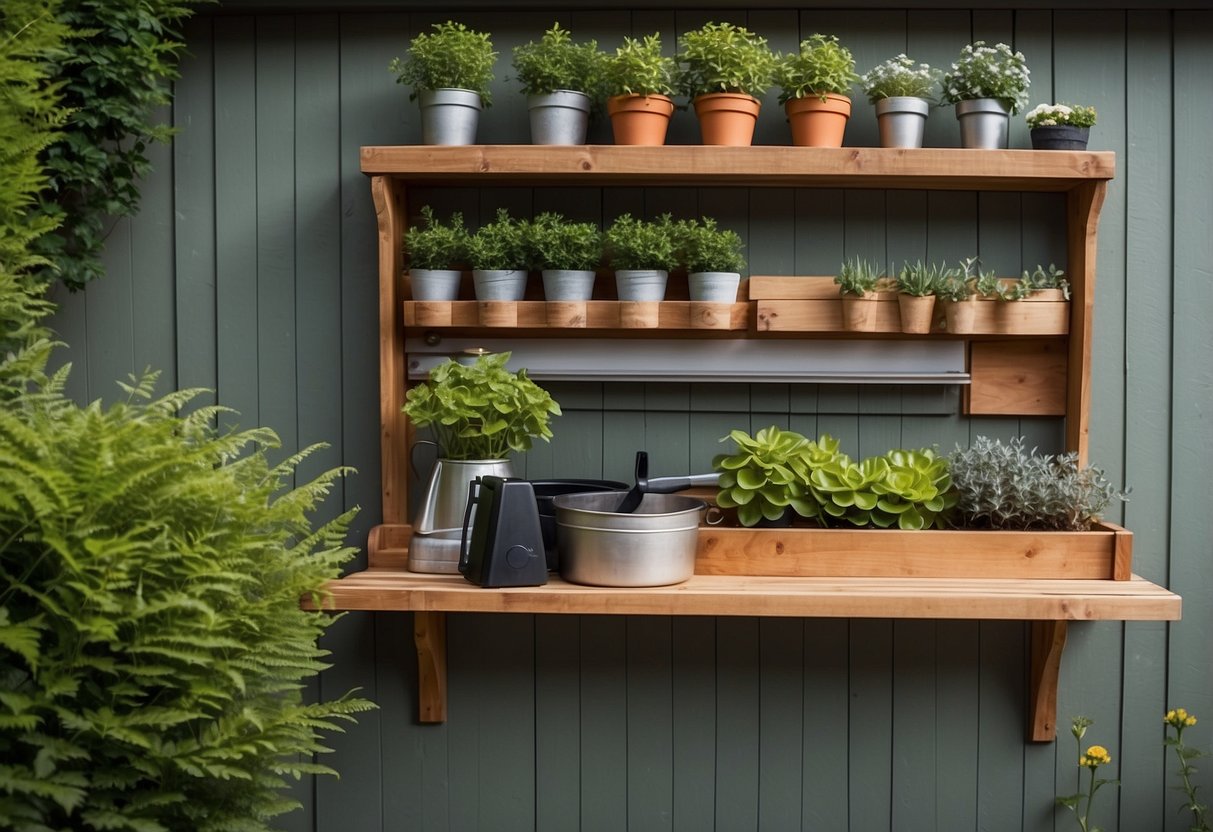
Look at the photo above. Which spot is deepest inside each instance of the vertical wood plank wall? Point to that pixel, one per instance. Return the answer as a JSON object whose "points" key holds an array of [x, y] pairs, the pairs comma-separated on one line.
{"points": [[251, 271]]}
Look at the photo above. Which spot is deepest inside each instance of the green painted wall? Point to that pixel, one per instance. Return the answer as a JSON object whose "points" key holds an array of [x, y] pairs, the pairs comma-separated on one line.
{"points": [[251, 271]]}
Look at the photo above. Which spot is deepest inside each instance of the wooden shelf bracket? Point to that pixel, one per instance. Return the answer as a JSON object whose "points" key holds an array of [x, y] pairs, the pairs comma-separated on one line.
{"points": [[1047, 641], [429, 636]]}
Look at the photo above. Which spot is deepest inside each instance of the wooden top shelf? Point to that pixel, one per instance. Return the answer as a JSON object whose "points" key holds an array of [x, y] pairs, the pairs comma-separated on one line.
{"points": [[936, 598], [850, 167]]}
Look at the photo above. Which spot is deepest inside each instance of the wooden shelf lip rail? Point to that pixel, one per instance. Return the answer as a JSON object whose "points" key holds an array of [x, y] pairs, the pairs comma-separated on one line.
{"points": [[1048, 604], [851, 167]]}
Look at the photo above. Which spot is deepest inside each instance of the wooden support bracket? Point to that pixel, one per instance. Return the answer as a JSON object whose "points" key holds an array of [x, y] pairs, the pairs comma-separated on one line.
{"points": [[429, 636], [1047, 642]]}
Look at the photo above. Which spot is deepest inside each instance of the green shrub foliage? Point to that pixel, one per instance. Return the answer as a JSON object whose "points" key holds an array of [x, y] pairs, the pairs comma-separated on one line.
{"points": [[152, 647], [434, 245], [115, 73]]}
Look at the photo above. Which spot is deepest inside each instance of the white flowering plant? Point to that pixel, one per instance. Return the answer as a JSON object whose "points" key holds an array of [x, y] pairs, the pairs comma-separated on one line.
{"points": [[898, 76], [1058, 115], [988, 72]]}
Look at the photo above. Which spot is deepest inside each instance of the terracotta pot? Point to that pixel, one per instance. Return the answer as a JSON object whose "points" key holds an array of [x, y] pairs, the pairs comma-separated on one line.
{"points": [[727, 118], [640, 119], [817, 123], [961, 316], [916, 313], [859, 313]]}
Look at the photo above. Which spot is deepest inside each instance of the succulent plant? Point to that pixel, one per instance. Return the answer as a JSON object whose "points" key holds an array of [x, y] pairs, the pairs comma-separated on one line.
{"points": [[1004, 486], [770, 472], [906, 489]]}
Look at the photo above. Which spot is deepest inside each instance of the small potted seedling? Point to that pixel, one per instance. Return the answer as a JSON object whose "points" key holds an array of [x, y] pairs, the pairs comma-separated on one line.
{"points": [[916, 288], [450, 70], [433, 250], [639, 83], [713, 260], [642, 255], [724, 69], [858, 281], [560, 79], [816, 83]]}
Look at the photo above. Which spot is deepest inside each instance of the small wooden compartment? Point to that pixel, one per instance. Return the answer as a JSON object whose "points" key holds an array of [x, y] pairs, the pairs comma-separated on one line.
{"points": [[1105, 552]]}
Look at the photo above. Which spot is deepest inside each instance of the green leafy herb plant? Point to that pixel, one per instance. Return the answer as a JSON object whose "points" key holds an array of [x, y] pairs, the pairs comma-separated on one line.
{"points": [[639, 68], [822, 66], [1004, 486], [555, 63], [499, 245], [897, 77], [481, 410], [768, 474], [858, 277], [639, 244], [555, 243], [706, 248], [434, 245], [722, 57], [958, 291], [452, 56]]}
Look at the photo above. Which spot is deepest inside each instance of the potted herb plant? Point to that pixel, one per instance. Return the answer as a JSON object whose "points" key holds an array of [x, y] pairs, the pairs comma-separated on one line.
{"points": [[450, 70], [432, 250], [1060, 126], [497, 254], [916, 289], [901, 91], [639, 81], [713, 260], [1004, 486], [560, 79], [959, 295], [480, 413], [566, 254], [642, 255], [816, 83], [724, 68], [987, 84], [858, 281]]}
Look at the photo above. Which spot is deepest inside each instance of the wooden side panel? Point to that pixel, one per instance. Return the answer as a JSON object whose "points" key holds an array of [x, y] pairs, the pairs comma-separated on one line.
{"points": [[1017, 378]]}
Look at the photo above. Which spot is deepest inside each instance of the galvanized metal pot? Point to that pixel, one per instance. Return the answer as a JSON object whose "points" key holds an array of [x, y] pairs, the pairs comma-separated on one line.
{"points": [[641, 284], [561, 117], [984, 123], [902, 120], [654, 546], [449, 116], [568, 284], [446, 493], [434, 284], [713, 287], [499, 284]]}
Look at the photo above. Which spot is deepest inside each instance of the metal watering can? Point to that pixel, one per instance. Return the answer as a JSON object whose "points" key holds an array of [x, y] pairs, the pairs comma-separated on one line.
{"points": [[446, 492]]}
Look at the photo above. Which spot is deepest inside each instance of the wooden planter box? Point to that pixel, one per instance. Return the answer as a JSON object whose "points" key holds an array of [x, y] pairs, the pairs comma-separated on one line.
{"points": [[1105, 552]]}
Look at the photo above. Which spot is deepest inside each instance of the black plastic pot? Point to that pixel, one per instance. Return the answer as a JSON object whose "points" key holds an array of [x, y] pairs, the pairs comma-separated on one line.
{"points": [[1060, 137], [545, 490]]}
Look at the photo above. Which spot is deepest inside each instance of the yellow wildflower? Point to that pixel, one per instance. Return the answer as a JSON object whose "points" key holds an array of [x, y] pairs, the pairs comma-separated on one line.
{"points": [[1095, 757], [1179, 718]]}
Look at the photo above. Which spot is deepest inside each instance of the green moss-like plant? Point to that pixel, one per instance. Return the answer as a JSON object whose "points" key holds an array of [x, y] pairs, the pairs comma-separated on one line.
{"points": [[637, 244], [434, 245], [481, 410], [555, 62], [452, 56], [820, 67], [721, 57]]}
